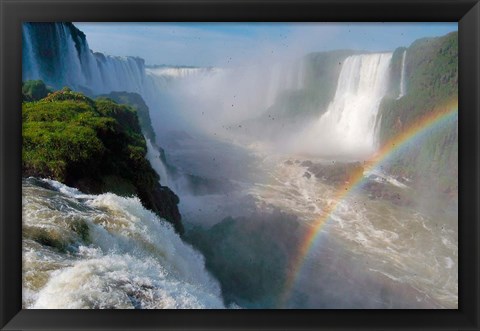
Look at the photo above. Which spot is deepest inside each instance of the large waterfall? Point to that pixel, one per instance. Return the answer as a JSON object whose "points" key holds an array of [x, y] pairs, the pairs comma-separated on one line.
{"points": [[402, 76], [348, 127], [58, 53]]}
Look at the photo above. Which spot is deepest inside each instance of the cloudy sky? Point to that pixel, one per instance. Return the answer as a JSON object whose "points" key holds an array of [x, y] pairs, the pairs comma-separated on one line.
{"points": [[221, 44]]}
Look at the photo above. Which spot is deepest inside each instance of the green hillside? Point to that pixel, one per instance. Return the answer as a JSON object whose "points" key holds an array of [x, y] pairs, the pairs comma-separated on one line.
{"points": [[96, 146]]}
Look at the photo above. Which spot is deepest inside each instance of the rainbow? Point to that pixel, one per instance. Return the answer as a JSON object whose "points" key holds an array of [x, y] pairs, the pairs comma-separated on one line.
{"points": [[433, 119]]}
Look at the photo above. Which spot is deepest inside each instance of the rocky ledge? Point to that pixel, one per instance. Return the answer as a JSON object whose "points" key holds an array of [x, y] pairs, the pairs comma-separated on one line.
{"points": [[96, 146]]}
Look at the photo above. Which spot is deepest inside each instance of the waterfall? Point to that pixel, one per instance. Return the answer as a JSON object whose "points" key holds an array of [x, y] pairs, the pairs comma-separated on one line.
{"points": [[29, 63], [58, 53], [402, 77], [348, 127], [153, 156]]}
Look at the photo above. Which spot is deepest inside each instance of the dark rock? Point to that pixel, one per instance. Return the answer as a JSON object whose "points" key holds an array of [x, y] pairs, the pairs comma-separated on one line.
{"points": [[165, 203], [198, 185], [307, 163], [386, 191], [334, 174], [117, 161]]}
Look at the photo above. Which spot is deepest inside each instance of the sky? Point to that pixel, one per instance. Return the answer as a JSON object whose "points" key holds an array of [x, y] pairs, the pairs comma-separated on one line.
{"points": [[223, 44]]}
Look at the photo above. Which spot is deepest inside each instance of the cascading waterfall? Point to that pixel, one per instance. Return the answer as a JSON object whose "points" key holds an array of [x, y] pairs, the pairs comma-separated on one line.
{"points": [[58, 53], [156, 161], [106, 251], [402, 77], [29, 64], [348, 127]]}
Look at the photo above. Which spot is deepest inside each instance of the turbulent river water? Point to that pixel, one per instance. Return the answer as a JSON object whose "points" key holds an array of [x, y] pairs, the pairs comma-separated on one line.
{"points": [[370, 253], [103, 251], [107, 251]]}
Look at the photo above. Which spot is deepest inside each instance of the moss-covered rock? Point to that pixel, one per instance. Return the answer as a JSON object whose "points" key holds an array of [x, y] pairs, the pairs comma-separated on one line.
{"points": [[143, 114], [136, 101], [94, 145], [431, 73], [34, 90]]}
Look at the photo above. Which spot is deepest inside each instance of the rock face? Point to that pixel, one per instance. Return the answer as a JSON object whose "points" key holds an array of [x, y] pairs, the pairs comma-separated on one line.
{"points": [[96, 146], [431, 83], [136, 101], [333, 174], [375, 187], [250, 255], [294, 108]]}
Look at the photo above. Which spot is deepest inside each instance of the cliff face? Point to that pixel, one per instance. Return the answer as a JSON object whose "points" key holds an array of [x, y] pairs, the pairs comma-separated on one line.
{"points": [[96, 146], [293, 108], [431, 81]]}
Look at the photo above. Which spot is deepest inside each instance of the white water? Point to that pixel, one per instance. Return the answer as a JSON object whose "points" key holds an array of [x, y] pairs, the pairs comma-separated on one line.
{"points": [[400, 243], [179, 72], [347, 128], [131, 259], [130, 262], [402, 77], [153, 156], [81, 68]]}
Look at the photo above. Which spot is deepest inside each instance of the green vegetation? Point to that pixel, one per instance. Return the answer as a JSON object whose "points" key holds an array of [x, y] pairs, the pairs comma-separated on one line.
{"points": [[94, 145], [67, 136], [135, 100], [293, 108], [34, 90], [321, 71], [432, 81], [395, 73]]}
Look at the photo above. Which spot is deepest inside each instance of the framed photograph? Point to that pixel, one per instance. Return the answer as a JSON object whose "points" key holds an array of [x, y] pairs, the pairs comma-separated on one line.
{"points": [[239, 165]]}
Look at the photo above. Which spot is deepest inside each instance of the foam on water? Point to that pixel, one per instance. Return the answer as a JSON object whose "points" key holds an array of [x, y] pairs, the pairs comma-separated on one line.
{"points": [[106, 251], [397, 242]]}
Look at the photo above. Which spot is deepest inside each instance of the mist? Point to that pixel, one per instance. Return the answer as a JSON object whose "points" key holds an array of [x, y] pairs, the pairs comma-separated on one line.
{"points": [[263, 145]]}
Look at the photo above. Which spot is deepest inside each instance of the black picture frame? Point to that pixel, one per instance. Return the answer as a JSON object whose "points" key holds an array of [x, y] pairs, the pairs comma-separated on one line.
{"points": [[14, 12]]}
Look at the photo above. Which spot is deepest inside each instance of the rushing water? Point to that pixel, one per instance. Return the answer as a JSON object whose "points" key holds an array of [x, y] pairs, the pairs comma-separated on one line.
{"points": [[400, 247], [372, 253], [348, 125], [105, 251], [402, 77]]}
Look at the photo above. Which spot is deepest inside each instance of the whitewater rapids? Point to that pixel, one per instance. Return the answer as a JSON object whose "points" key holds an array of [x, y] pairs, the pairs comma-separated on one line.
{"points": [[405, 250], [105, 251]]}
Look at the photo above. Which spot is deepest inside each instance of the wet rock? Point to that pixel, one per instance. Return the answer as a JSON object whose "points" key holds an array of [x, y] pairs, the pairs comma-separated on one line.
{"points": [[335, 173], [386, 191]]}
